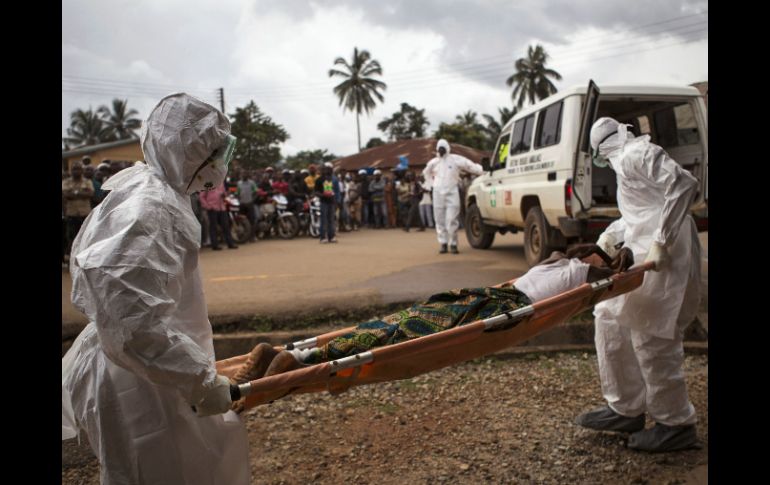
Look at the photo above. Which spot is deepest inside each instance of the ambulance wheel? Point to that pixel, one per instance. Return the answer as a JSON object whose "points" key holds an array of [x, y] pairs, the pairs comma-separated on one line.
{"points": [[537, 237], [479, 235]]}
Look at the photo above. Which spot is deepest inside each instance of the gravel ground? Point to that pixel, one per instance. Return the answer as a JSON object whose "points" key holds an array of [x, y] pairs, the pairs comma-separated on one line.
{"points": [[493, 420]]}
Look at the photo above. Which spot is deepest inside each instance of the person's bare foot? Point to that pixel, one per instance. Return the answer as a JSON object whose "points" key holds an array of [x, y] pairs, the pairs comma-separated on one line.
{"points": [[258, 362], [255, 366], [283, 362]]}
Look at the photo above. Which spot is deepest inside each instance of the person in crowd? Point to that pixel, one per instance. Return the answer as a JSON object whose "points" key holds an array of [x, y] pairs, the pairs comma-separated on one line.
{"points": [[426, 204], [324, 189], [213, 201], [312, 176], [247, 193], [377, 196], [390, 202], [354, 200], [76, 192]]}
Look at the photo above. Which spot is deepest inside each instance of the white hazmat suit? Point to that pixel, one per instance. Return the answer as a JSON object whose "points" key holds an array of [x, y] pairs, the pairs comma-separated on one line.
{"points": [[147, 353], [639, 334], [442, 174]]}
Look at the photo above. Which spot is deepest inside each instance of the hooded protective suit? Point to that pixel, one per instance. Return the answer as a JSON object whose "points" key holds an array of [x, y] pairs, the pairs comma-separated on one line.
{"points": [[148, 351], [639, 334], [442, 174]]}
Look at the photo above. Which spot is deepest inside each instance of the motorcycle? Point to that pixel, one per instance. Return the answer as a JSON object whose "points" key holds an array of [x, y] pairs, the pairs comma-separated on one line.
{"points": [[301, 209], [314, 228], [240, 227], [275, 218]]}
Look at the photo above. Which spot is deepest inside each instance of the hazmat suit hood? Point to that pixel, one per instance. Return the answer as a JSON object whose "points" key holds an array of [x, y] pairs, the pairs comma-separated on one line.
{"points": [[443, 143], [180, 134], [609, 138]]}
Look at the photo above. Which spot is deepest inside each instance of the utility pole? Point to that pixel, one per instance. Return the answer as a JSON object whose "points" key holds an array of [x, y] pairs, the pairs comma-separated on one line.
{"points": [[222, 99]]}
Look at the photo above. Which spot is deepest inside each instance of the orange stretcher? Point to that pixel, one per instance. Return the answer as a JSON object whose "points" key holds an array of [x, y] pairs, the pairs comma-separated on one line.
{"points": [[424, 354]]}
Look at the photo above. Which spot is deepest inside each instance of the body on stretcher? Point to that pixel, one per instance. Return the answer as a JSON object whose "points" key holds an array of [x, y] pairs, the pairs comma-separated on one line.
{"points": [[431, 352]]}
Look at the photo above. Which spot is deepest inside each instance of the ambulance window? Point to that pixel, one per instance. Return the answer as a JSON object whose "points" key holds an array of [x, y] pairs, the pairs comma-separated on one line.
{"points": [[549, 126], [522, 135], [501, 152], [686, 127], [644, 124], [676, 126]]}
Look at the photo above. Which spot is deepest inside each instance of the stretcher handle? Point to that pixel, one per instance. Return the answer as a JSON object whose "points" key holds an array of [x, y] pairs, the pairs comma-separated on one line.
{"points": [[235, 394]]}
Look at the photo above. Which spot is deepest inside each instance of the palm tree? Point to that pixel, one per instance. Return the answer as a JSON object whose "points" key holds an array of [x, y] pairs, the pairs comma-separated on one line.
{"points": [[86, 128], [531, 77], [119, 122], [469, 120], [494, 127], [356, 91]]}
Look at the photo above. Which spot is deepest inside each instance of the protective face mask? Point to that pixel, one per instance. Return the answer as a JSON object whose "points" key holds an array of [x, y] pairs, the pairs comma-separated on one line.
{"points": [[213, 171], [598, 160]]}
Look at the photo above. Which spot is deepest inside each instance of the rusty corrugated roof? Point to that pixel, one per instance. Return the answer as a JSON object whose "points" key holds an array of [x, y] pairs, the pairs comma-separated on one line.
{"points": [[419, 152]]}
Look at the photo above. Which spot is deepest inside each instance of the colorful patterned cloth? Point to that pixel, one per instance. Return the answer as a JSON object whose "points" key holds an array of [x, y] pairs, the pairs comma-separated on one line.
{"points": [[440, 312]]}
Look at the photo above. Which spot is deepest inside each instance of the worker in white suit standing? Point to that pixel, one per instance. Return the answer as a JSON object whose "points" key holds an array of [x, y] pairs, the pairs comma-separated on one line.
{"points": [[639, 334], [442, 174]]}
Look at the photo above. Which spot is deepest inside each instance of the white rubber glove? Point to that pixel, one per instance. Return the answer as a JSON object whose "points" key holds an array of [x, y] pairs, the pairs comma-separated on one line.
{"points": [[217, 399], [658, 255], [607, 242]]}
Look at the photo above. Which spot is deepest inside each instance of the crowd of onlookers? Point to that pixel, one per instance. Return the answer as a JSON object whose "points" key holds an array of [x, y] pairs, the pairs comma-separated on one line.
{"points": [[81, 191], [349, 200]]}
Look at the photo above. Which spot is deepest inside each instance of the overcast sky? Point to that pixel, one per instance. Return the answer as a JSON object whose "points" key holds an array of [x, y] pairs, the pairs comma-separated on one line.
{"points": [[446, 57]]}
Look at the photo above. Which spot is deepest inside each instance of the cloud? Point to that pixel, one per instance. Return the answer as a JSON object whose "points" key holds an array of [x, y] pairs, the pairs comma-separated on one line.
{"points": [[445, 57]]}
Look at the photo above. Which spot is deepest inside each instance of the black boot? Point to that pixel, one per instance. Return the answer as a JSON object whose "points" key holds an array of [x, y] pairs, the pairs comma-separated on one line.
{"points": [[661, 438], [605, 419], [454, 250], [443, 249]]}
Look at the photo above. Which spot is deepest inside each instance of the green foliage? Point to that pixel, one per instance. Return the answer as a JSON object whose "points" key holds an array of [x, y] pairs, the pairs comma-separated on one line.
{"points": [[119, 121], [358, 90], [258, 137], [104, 125], [304, 158], [406, 124], [374, 142], [466, 130], [531, 77]]}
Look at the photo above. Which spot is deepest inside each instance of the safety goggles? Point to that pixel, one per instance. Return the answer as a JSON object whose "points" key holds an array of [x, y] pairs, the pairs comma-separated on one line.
{"points": [[223, 155], [219, 159]]}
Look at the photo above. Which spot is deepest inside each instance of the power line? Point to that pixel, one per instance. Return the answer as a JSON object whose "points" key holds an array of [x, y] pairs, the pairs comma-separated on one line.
{"points": [[412, 75], [495, 72], [490, 76]]}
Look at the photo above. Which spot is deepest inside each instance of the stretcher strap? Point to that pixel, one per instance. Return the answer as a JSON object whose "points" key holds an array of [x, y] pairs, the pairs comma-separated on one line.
{"points": [[302, 344], [508, 319], [353, 361], [346, 383], [600, 288]]}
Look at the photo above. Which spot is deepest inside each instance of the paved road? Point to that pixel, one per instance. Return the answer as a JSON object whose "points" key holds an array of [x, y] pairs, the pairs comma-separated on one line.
{"points": [[367, 267]]}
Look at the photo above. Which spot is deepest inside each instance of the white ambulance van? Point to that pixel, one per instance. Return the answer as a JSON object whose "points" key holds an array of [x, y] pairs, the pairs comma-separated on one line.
{"points": [[541, 179]]}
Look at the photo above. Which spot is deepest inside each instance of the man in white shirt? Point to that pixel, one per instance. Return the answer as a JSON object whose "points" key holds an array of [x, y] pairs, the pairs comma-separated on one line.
{"points": [[442, 174]]}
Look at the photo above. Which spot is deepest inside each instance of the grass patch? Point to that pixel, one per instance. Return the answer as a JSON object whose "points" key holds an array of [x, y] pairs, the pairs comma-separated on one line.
{"points": [[387, 408], [319, 318]]}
